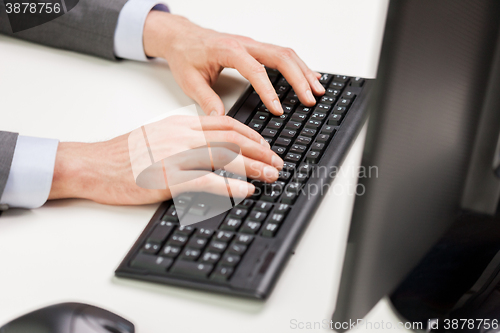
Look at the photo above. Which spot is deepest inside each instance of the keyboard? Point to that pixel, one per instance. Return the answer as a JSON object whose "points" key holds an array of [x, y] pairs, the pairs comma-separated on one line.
{"points": [[243, 251]]}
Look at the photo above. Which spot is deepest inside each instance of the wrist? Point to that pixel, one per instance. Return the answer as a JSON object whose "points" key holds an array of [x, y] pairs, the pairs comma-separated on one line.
{"points": [[160, 31], [73, 171]]}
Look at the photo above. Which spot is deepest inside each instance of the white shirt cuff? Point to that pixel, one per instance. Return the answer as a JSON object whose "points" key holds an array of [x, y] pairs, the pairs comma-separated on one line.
{"points": [[31, 172], [128, 42]]}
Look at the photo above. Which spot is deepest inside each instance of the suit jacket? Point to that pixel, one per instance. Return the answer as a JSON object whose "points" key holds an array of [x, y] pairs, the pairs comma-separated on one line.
{"points": [[88, 28], [7, 145]]}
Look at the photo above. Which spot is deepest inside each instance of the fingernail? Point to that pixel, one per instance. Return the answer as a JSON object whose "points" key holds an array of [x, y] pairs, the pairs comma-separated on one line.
{"points": [[277, 106], [265, 143], [310, 96], [277, 162], [214, 113], [270, 172], [318, 87]]}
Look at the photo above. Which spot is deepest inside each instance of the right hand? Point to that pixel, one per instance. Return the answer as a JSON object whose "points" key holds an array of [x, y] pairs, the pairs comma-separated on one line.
{"points": [[102, 171]]}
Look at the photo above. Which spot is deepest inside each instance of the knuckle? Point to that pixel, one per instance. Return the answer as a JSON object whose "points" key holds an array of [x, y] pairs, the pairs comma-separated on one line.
{"points": [[230, 136], [230, 44], [286, 53], [226, 123], [258, 69]]}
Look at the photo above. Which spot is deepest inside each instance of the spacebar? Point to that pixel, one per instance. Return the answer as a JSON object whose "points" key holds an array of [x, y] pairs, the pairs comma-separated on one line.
{"points": [[247, 108]]}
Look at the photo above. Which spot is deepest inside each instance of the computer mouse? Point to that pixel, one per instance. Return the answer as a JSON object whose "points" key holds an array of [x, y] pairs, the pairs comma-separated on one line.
{"points": [[69, 318]]}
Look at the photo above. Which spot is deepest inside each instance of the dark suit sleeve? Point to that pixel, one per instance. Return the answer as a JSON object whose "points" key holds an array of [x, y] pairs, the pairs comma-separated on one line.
{"points": [[8, 142], [88, 28]]}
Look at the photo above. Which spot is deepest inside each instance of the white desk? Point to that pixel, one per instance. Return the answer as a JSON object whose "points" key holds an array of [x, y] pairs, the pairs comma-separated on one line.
{"points": [[68, 249]]}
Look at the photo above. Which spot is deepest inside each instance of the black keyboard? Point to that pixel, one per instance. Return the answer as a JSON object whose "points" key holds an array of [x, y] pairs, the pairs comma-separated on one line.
{"points": [[242, 251]]}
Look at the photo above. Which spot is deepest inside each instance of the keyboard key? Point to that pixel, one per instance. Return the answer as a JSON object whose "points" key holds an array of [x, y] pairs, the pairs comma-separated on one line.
{"points": [[288, 133], [317, 146], [305, 168], [293, 125], [348, 94], [269, 132], [177, 240], [231, 224], [325, 99], [191, 268], [224, 236], [244, 239], [256, 126], [261, 117], [216, 246], [289, 198], [170, 251], [357, 82], [322, 138], [323, 107], [289, 166], [300, 117], [190, 254], [300, 178], [250, 227], [318, 116], [304, 109], [291, 100], [344, 102], [332, 92], [340, 78], [303, 140], [270, 230], [238, 212], [312, 157], [312, 124], [161, 232], [274, 124], [221, 273], [291, 157], [337, 85], [257, 216], [282, 209], [308, 132], [284, 175], [246, 204], [328, 129], [204, 233], [210, 257], [293, 187], [197, 243], [230, 260], [277, 218], [285, 142], [287, 108], [199, 209], [247, 108], [151, 263], [271, 196], [334, 119], [237, 249], [171, 215], [151, 248], [279, 150], [262, 206], [325, 78], [185, 230], [299, 149], [340, 110]]}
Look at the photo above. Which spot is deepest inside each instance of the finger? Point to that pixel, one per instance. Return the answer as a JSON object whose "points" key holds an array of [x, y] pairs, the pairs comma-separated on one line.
{"points": [[249, 148], [254, 72], [201, 181], [197, 88], [229, 124], [300, 77]]}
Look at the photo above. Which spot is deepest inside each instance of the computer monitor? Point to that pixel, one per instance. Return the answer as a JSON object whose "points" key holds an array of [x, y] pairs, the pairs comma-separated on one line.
{"points": [[432, 134]]}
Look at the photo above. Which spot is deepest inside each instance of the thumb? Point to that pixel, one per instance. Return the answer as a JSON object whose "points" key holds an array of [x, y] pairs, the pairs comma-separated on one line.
{"points": [[199, 90]]}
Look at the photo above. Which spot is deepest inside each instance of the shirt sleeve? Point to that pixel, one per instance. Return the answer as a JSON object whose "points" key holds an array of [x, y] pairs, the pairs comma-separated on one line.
{"points": [[30, 178], [128, 42]]}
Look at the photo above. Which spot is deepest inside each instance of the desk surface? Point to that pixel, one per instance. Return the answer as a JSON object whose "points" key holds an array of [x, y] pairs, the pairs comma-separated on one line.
{"points": [[68, 249]]}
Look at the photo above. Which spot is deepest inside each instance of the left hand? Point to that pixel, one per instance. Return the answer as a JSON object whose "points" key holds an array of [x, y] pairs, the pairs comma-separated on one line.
{"points": [[197, 56]]}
